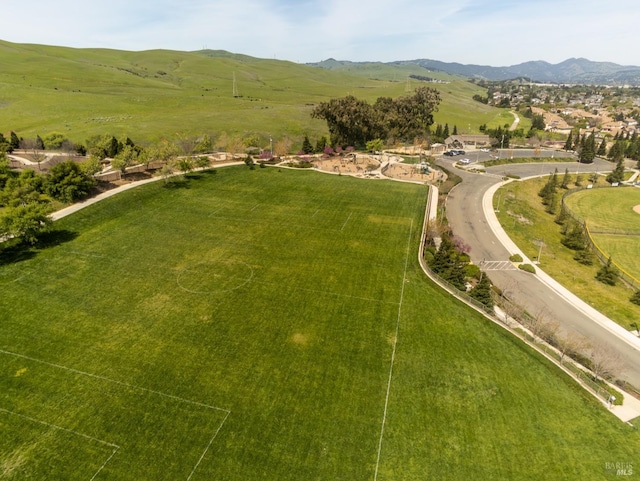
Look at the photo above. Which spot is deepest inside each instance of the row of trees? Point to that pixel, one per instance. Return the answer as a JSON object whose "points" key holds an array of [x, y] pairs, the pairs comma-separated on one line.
{"points": [[352, 121]]}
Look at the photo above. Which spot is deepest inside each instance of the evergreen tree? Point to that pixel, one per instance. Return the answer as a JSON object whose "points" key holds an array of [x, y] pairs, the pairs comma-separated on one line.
{"points": [[578, 180], [568, 145], [565, 179], [588, 149], [39, 143], [552, 204], [574, 238], [481, 292], [447, 264], [584, 256], [15, 141], [321, 143], [608, 274], [618, 173], [307, 148], [616, 152], [549, 189], [445, 131], [455, 130], [602, 150], [562, 217]]}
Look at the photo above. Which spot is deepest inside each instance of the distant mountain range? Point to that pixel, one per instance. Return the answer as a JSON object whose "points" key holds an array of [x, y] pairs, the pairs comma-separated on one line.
{"points": [[571, 71]]}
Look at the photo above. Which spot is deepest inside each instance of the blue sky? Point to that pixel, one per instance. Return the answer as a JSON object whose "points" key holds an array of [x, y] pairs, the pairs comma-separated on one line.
{"points": [[486, 32]]}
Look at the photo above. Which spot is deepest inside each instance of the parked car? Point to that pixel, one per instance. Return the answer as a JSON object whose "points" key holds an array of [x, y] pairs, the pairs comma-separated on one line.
{"points": [[450, 153], [465, 161]]}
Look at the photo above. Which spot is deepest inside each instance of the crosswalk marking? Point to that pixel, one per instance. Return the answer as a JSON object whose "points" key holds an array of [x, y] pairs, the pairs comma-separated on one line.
{"points": [[496, 266]]}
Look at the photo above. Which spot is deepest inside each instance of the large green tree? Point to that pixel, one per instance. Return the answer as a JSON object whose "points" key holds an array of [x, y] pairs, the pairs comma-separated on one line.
{"points": [[352, 121], [68, 182], [25, 221]]}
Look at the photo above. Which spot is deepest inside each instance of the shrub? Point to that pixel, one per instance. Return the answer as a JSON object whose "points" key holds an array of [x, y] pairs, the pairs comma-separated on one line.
{"points": [[584, 257], [515, 258], [472, 270], [527, 268]]}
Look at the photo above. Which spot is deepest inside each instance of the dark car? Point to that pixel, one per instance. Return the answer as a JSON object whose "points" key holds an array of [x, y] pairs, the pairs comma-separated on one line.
{"points": [[450, 152]]}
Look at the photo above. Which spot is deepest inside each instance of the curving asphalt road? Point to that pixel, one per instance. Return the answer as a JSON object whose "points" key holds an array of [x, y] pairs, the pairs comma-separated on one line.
{"points": [[469, 217]]}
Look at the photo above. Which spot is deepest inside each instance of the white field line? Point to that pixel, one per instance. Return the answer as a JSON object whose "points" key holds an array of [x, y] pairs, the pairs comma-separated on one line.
{"points": [[345, 222], [134, 387], [208, 446], [120, 383], [393, 353], [115, 447]]}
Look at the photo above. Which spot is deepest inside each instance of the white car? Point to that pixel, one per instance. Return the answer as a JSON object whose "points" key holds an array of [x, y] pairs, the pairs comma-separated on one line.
{"points": [[464, 161]]}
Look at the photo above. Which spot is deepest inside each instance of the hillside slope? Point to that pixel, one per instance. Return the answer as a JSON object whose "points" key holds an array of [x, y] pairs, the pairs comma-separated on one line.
{"points": [[157, 93]]}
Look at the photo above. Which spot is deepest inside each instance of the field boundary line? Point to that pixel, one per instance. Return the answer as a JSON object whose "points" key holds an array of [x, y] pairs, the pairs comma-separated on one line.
{"points": [[393, 353], [134, 387], [215, 435], [114, 381], [70, 431], [345, 222]]}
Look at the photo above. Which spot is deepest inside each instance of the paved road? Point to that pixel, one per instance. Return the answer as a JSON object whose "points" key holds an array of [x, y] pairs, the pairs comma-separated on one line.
{"points": [[468, 220]]}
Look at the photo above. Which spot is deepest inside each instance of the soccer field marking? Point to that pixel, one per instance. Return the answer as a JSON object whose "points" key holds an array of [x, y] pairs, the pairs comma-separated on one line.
{"points": [[114, 447], [345, 222], [393, 353], [242, 280], [138, 388], [215, 435]]}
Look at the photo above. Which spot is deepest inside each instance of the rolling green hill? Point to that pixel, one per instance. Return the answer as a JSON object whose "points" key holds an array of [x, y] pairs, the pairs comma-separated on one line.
{"points": [[159, 93]]}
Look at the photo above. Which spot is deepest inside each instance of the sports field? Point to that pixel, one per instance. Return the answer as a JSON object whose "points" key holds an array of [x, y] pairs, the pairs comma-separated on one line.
{"points": [[265, 324], [613, 223]]}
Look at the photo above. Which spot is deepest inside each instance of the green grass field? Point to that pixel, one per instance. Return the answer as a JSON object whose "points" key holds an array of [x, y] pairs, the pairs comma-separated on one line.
{"points": [[160, 93], [614, 225], [242, 325]]}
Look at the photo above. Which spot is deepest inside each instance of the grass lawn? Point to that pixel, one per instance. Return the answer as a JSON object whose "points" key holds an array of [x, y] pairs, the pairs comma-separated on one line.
{"points": [[241, 326], [614, 225], [523, 217]]}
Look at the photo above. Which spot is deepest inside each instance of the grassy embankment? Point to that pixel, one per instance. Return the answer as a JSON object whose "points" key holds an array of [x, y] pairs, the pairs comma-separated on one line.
{"points": [[159, 93]]}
